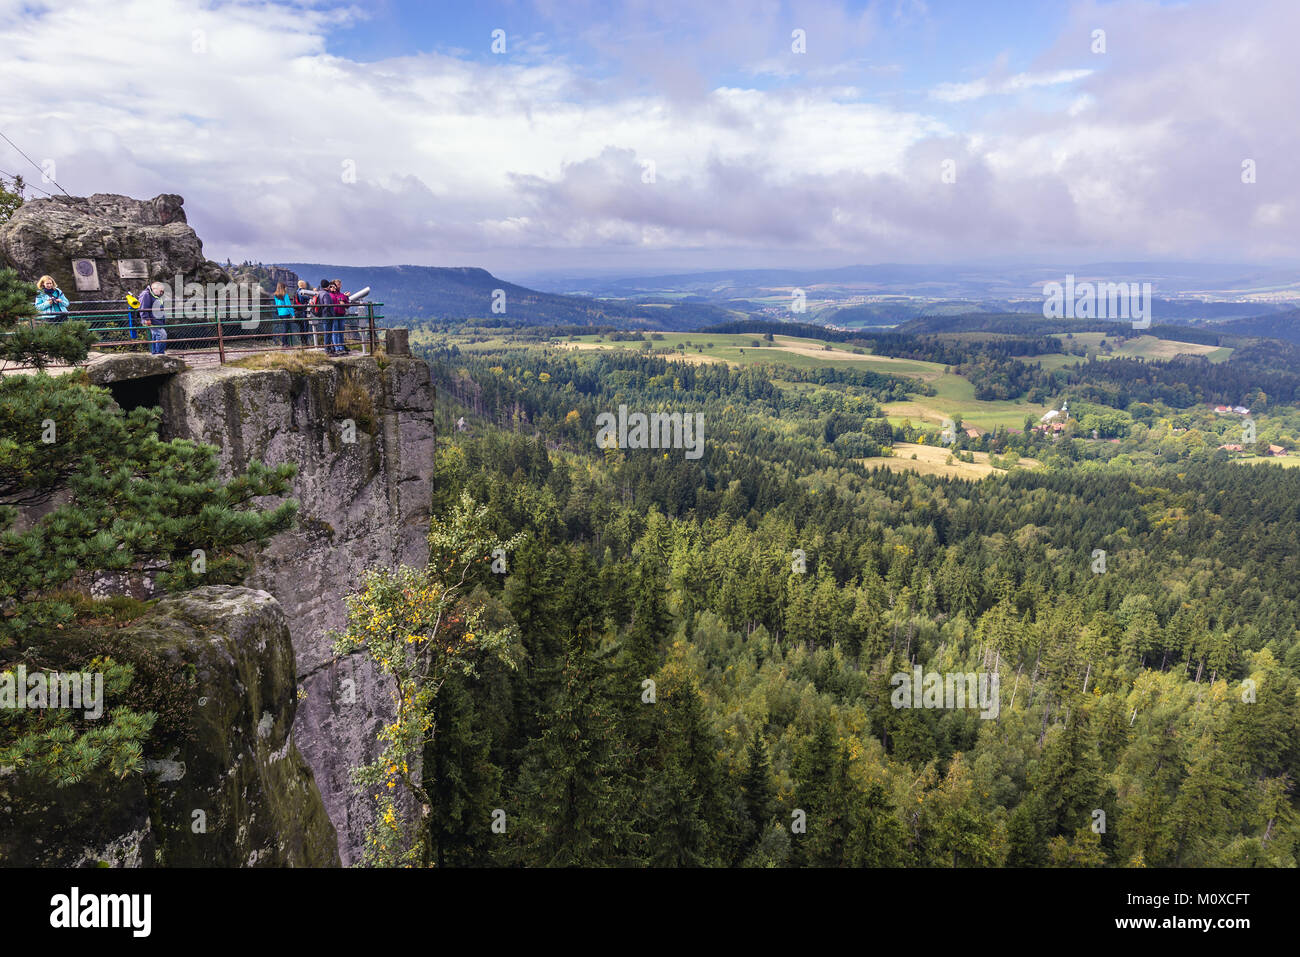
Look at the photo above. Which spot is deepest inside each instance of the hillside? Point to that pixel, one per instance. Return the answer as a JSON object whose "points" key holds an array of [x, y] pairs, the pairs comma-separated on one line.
{"points": [[439, 293], [1283, 325]]}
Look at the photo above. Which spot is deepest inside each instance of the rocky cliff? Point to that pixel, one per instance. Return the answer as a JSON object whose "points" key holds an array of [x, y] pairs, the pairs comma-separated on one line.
{"points": [[45, 236], [235, 792], [361, 432]]}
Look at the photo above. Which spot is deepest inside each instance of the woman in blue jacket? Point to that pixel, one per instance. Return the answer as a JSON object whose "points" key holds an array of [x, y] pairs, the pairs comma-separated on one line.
{"points": [[284, 309], [51, 303]]}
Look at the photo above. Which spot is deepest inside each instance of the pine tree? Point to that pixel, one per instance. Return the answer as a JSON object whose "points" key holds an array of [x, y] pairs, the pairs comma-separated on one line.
{"points": [[36, 344], [686, 812], [463, 782], [818, 770], [756, 786], [127, 502], [577, 797]]}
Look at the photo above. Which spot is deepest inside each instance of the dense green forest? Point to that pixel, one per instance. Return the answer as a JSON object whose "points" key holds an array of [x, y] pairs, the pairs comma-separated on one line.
{"points": [[702, 653]]}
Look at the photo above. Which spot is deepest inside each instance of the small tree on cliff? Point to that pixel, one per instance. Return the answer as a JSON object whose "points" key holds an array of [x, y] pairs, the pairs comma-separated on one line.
{"points": [[11, 197], [97, 491], [421, 625]]}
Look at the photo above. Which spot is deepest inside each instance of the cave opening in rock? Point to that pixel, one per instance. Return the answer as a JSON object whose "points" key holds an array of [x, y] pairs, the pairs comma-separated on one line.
{"points": [[144, 392]]}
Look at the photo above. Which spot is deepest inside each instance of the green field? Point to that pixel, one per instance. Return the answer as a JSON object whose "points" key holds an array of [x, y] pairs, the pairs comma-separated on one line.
{"points": [[786, 350], [1143, 347], [1283, 461], [934, 460], [956, 397]]}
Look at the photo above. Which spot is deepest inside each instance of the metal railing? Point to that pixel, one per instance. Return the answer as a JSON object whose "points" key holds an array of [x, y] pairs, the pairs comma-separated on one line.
{"points": [[222, 333]]}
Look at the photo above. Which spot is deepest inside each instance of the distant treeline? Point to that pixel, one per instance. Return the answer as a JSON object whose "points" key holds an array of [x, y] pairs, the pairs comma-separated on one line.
{"points": [[1284, 326], [1181, 382], [759, 327], [1012, 324]]}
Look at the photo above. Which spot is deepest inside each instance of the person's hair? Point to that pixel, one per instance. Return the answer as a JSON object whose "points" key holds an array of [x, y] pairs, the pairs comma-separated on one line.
{"points": [[324, 283], [302, 283], [40, 283], [155, 286], [280, 290]]}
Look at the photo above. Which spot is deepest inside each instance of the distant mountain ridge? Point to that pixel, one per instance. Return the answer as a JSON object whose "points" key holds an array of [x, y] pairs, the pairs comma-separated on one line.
{"points": [[440, 293], [941, 281]]}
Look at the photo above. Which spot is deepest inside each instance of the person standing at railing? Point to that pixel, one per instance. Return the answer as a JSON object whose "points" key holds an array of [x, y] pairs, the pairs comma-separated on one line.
{"points": [[339, 310], [333, 325], [350, 333], [311, 328], [153, 315], [284, 310], [51, 303]]}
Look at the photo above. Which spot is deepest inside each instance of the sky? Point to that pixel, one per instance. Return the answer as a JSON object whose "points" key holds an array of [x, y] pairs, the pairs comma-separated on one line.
{"points": [[656, 135]]}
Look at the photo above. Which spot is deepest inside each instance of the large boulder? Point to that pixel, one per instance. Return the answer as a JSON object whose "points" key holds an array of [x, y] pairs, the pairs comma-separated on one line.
{"points": [[106, 369], [230, 791], [45, 236]]}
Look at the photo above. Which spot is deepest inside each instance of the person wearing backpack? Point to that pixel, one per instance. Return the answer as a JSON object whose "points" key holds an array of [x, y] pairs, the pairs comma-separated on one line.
{"points": [[324, 307], [154, 315]]}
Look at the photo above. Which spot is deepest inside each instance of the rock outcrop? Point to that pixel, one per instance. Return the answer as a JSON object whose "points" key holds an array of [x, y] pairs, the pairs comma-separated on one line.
{"points": [[361, 432], [267, 277], [235, 792], [45, 236]]}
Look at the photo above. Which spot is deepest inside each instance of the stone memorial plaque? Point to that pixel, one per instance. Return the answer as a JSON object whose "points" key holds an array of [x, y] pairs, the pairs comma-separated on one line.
{"points": [[86, 275], [133, 268]]}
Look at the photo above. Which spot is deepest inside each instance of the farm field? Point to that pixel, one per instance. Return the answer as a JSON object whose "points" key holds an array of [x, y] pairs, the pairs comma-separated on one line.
{"points": [[1143, 347], [955, 396], [933, 460], [1282, 461], [738, 349]]}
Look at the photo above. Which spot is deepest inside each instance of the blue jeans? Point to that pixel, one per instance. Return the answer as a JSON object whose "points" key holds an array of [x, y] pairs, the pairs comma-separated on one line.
{"points": [[293, 332], [158, 335], [333, 332]]}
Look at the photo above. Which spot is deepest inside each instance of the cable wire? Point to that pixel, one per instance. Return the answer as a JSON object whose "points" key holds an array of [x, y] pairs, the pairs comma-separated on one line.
{"points": [[33, 162]]}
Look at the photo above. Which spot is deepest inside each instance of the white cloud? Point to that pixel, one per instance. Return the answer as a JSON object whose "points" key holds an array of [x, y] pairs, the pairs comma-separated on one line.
{"points": [[961, 92], [528, 161]]}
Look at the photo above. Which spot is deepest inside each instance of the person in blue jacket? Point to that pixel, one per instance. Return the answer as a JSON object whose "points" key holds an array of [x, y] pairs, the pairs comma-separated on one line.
{"points": [[284, 311], [51, 303]]}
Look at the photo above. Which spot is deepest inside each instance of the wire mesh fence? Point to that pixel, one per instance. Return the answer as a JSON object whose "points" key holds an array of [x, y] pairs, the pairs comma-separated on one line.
{"points": [[223, 334]]}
